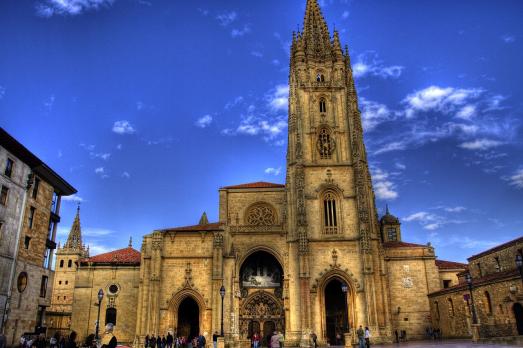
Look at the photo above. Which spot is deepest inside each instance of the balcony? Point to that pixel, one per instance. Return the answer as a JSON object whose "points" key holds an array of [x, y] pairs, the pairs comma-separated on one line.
{"points": [[50, 244]]}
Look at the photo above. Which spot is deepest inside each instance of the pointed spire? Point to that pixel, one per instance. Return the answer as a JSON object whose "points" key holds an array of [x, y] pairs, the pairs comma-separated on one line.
{"points": [[315, 31], [74, 240], [203, 219], [130, 241], [387, 209]]}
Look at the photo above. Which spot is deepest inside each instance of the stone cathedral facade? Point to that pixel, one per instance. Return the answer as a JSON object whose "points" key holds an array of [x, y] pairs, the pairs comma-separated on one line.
{"points": [[307, 256]]}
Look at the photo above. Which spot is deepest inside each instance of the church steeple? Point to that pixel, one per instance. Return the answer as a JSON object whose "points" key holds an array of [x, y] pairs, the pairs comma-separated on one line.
{"points": [[316, 35], [74, 241]]}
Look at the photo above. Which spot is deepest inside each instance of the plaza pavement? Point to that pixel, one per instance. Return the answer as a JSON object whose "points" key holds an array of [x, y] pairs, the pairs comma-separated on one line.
{"points": [[438, 343]]}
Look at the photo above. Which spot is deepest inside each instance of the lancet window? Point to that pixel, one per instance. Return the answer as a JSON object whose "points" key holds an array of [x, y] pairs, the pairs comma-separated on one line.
{"points": [[330, 213]]}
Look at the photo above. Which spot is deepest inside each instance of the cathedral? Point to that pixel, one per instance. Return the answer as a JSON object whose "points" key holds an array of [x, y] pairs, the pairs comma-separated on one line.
{"points": [[307, 256]]}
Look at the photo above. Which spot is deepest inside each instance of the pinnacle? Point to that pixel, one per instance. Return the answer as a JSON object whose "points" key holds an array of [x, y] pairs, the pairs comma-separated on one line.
{"points": [[203, 219], [315, 31]]}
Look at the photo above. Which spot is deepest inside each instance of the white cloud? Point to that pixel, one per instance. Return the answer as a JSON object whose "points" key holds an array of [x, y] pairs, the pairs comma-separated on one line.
{"points": [[345, 14], [119, 146], [126, 175], [373, 113], [273, 171], [369, 64], [234, 102], [123, 127], [480, 144], [275, 62], [435, 98], [400, 166], [467, 112], [226, 18], [104, 156], [457, 209], [421, 216], [48, 8], [204, 121], [101, 172], [2, 92], [257, 54], [278, 98], [508, 38], [239, 32], [393, 146], [384, 189], [517, 179], [72, 198], [96, 249]]}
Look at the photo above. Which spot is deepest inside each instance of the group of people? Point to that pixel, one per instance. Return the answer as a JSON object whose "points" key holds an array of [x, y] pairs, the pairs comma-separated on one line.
{"points": [[434, 334], [170, 341], [274, 340], [108, 340], [363, 337]]}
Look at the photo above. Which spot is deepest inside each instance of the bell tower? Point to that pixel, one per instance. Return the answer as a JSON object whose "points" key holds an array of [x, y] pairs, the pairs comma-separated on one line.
{"points": [[331, 203]]}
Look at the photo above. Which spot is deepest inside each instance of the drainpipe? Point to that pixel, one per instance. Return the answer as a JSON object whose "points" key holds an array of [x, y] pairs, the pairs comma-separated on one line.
{"points": [[30, 178]]}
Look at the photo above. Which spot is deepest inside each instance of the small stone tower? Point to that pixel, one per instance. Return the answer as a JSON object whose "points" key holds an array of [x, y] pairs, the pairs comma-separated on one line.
{"points": [[59, 314], [390, 227]]}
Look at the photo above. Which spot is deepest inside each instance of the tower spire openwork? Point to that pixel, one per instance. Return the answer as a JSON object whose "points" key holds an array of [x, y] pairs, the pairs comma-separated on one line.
{"points": [[316, 35], [74, 240]]}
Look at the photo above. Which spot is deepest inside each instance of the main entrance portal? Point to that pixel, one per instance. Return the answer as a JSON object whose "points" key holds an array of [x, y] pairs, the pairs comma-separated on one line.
{"points": [[188, 318], [261, 308]]}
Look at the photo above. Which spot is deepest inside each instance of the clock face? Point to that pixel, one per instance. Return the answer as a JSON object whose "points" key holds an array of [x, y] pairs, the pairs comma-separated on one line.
{"points": [[407, 282]]}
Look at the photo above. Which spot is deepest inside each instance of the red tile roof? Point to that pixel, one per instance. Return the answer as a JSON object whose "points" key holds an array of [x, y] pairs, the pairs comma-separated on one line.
{"points": [[443, 264], [497, 248], [403, 245], [121, 256], [255, 185], [215, 226]]}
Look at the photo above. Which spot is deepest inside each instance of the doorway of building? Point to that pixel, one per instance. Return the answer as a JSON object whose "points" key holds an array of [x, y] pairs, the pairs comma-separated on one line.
{"points": [[188, 318], [268, 331], [518, 315], [335, 312], [254, 327]]}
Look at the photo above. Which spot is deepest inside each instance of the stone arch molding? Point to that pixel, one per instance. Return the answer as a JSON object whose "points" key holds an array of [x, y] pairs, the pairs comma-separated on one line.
{"points": [[179, 296], [251, 250], [336, 271]]}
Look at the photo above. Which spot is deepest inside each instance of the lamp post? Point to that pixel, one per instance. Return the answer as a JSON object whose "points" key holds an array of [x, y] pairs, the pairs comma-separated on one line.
{"points": [[345, 288], [222, 294], [100, 298], [469, 283], [519, 264]]}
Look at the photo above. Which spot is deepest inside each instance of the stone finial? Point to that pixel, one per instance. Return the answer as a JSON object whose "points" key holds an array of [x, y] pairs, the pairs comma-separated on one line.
{"points": [[203, 219], [131, 242]]}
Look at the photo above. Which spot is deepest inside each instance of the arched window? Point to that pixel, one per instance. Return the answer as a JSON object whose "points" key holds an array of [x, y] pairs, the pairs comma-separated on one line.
{"points": [[330, 218], [323, 105], [61, 263], [320, 77], [70, 263], [451, 307], [326, 144], [110, 316], [488, 303]]}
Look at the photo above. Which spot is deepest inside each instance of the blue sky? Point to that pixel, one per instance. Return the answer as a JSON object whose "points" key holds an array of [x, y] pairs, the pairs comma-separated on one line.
{"points": [[147, 107]]}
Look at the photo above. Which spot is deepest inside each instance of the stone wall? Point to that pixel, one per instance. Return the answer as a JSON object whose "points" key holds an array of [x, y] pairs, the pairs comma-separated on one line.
{"points": [[91, 278]]}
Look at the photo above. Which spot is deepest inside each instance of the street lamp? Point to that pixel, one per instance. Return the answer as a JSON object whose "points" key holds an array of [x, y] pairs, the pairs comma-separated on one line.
{"points": [[222, 294], [345, 288], [100, 297], [468, 278], [519, 264]]}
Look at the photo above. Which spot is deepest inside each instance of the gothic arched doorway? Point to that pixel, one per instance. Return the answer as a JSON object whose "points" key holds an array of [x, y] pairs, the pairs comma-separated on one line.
{"points": [[188, 318], [518, 315], [336, 314], [261, 305]]}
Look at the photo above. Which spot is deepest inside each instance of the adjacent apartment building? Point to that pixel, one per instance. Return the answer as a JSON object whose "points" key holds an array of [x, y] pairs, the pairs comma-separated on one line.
{"points": [[29, 214]]}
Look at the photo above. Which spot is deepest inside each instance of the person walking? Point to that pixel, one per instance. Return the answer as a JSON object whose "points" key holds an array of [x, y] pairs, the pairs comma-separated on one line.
{"points": [[281, 338], [314, 339], [361, 337], [275, 340], [71, 342], [255, 340], [109, 340], [367, 337]]}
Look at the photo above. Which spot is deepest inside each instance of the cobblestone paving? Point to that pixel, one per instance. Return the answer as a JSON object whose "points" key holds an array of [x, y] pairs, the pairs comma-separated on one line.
{"points": [[446, 344]]}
